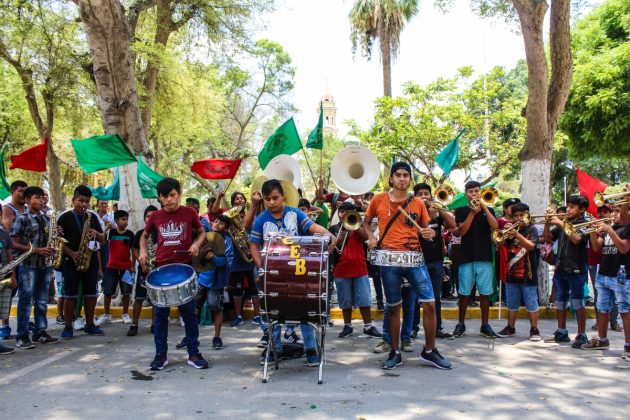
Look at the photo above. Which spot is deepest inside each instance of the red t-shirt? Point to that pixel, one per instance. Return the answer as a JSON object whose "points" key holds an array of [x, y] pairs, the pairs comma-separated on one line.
{"points": [[119, 249], [352, 261], [174, 233]]}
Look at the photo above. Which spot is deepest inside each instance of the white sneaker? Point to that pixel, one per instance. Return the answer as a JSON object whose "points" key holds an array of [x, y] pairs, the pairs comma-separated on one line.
{"points": [[79, 323], [103, 319], [126, 319]]}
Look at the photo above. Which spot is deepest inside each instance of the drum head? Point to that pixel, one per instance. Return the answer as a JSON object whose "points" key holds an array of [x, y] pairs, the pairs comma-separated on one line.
{"points": [[170, 274]]}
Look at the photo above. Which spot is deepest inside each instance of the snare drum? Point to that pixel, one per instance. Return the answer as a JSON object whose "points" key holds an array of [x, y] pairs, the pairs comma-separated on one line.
{"points": [[385, 257], [171, 285], [295, 279]]}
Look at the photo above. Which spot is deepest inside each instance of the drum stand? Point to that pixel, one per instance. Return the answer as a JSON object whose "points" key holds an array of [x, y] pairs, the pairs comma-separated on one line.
{"points": [[320, 337]]}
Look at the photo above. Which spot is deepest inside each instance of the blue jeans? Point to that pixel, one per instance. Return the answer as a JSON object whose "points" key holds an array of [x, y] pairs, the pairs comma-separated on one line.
{"points": [[354, 291], [32, 283], [436, 272], [308, 335], [515, 293], [187, 311], [418, 278], [609, 292], [569, 286], [408, 309]]}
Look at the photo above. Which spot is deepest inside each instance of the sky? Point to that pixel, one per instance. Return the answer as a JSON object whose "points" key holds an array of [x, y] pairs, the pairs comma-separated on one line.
{"points": [[316, 34]]}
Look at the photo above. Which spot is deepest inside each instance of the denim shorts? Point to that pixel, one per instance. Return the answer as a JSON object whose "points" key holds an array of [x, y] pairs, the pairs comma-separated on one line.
{"points": [[479, 272], [354, 291], [607, 287], [515, 293], [418, 278], [214, 297], [569, 286]]}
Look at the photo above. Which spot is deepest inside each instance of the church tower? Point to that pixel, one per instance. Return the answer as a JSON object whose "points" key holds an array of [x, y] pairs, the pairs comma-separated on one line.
{"points": [[330, 114]]}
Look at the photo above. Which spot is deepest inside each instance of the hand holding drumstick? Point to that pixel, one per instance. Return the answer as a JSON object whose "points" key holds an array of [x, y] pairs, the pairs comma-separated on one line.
{"points": [[427, 233]]}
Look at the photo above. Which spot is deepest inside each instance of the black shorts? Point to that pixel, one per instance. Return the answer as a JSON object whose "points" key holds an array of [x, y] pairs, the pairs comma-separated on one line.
{"points": [[238, 280], [141, 291], [73, 278], [112, 280]]}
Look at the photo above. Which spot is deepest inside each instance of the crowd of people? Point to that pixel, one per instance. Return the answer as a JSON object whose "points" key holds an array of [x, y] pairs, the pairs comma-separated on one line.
{"points": [[402, 249]]}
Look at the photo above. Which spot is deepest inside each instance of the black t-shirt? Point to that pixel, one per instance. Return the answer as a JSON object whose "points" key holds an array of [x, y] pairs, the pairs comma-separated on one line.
{"points": [[571, 258], [476, 244], [72, 225], [434, 250], [611, 257]]}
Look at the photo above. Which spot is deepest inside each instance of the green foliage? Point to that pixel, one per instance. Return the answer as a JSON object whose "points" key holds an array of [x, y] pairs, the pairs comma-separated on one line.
{"points": [[419, 124], [596, 116]]}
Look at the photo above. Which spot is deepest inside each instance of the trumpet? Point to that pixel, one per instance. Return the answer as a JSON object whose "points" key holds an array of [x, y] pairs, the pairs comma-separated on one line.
{"points": [[584, 228], [350, 222], [443, 197], [487, 196], [501, 235], [600, 199], [547, 216]]}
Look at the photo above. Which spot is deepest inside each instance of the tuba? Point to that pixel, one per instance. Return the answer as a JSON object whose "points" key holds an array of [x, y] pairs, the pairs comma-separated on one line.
{"points": [[355, 170], [284, 167], [84, 251], [55, 242], [238, 234]]}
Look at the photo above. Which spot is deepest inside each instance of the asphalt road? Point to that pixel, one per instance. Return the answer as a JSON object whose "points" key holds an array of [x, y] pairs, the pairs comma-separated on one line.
{"points": [[109, 377]]}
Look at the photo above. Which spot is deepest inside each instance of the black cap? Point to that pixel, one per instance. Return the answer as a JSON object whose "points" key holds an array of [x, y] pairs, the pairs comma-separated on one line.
{"points": [[400, 165], [510, 201]]}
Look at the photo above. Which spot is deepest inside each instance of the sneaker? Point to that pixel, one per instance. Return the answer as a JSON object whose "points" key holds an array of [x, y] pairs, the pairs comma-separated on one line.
{"points": [[626, 353], [558, 337], [596, 344], [67, 333], [237, 321], [126, 319], [43, 337], [617, 328], [197, 361], [5, 332], [312, 358], [292, 338], [579, 341], [435, 359], [93, 330], [414, 334], [59, 320], [382, 347], [372, 332], [257, 320], [444, 335], [270, 358], [217, 343], [594, 327], [182, 344], [24, 342], [406, 346], [159, 362], [263, 342], [133, 330], [488, 332], [534, 334], [79, 323], [104, 319], [6, 350], [346, 332], [393, 361], [459, 331], [508, 331]]}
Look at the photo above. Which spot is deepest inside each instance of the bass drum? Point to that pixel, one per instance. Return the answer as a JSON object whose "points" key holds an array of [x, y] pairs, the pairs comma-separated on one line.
{"points": [[171, 285], [295, 279]]}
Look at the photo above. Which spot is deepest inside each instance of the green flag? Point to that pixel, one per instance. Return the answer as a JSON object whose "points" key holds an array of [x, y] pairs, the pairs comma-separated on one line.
{"points": [[284, 141], [316, 138], [447, 158], [147, 179], [5, 188], [111, 192], [101, 152]]}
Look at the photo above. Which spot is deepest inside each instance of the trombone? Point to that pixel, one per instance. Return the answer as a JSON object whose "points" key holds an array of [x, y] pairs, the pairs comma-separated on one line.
{"points": [[584, 228], [350, 222], [547, 216], [600, 199]]}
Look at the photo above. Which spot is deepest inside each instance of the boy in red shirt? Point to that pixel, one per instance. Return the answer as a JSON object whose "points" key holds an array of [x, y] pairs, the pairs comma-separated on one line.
{"points": [[119, 240]]}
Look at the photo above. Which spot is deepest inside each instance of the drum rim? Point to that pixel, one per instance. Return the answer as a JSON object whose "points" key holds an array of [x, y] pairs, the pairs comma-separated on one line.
{"points": [[172, 286]]}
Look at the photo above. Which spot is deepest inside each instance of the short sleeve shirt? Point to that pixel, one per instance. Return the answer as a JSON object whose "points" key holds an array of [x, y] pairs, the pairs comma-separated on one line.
{"points": [[119, 249], [32, 228], [174, 233], [402, 235], [293, 222], [612, 259], [476, 244]]}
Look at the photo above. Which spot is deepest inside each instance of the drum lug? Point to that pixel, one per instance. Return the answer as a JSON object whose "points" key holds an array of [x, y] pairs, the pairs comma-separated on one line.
{"points": [[274, 272], [273, 294], [313, 254], [275, 253], [312, 295], [312, 273]]}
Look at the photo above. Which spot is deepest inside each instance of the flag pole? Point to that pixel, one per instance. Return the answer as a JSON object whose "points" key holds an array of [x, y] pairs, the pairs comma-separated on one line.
{"points": [[309, 167]]}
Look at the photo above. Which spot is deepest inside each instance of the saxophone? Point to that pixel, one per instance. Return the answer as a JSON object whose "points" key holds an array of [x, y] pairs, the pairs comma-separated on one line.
{"points": [[55, 242], [6, 270], [238, 234], [152, 260], [84, 251]]}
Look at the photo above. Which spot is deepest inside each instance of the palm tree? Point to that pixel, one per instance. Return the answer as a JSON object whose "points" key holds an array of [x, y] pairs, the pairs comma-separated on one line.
{"points": [[383, 20]]}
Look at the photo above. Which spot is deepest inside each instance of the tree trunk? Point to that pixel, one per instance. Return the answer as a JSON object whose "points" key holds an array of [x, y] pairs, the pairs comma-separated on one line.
{"points": [[108, 38], [386, 57]]}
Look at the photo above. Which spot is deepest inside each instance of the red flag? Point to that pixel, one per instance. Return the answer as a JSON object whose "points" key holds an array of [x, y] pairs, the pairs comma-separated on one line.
{"points": [[32, 159], [216, 168], [588, 187]]}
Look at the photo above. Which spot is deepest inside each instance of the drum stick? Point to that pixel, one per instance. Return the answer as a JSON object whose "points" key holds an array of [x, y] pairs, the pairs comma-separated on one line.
{"points": [[181, 251], [412, 221]]}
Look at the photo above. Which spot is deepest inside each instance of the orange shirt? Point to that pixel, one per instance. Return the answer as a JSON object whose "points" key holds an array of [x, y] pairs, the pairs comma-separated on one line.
{"points": [[402, 235]]}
